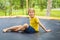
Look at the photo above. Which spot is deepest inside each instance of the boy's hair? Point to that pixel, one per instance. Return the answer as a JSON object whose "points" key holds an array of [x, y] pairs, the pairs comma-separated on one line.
{"points": [[31, 9]]}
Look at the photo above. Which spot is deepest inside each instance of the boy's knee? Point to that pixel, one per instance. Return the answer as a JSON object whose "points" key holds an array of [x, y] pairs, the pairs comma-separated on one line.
{"points": [[25, 25], [20, 26]]}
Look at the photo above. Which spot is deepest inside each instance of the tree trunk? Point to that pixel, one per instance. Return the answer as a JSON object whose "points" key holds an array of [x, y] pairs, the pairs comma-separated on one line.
{"points": [[10, 12], [21, 3], [49, 6], [26, 6], [5, 8]]}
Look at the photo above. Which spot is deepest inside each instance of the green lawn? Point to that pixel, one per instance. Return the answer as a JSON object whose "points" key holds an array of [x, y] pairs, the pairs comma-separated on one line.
{"points": [[54, 13], [2, 13]]}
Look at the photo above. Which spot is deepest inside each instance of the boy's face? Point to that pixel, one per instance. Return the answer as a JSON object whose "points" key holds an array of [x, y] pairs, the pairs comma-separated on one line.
{"points": [[31, 13]]}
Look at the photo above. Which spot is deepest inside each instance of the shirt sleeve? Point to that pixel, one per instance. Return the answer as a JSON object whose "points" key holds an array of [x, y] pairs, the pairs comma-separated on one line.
{"points": [[36, 20]]}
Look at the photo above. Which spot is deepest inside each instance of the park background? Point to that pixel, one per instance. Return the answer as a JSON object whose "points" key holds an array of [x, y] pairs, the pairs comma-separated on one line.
{"points": [[49, 8]]}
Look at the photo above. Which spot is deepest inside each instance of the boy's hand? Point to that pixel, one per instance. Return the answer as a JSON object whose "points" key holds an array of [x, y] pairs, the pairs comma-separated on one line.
{"points": [[48, 30]]}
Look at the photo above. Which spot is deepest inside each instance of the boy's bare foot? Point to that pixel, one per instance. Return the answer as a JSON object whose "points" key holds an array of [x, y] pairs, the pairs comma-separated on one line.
{"points": [[5, 30]]}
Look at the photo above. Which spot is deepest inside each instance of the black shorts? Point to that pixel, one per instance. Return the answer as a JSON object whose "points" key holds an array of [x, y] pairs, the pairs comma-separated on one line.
{"points": [[30, 30]]}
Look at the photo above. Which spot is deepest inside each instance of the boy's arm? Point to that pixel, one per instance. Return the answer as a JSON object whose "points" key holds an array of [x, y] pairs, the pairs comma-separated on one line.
{"points": [[43, 27]]}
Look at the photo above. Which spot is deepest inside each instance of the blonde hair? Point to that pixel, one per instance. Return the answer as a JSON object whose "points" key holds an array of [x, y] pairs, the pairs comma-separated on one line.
{"points": [[31, 9]]}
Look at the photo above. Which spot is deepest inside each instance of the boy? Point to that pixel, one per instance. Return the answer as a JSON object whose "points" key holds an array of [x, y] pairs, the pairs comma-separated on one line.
{"points": [[32, 28]]}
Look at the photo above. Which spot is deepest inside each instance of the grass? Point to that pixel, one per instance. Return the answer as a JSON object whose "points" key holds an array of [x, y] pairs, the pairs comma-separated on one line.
{"points": [[2, 13], [54, 13]]}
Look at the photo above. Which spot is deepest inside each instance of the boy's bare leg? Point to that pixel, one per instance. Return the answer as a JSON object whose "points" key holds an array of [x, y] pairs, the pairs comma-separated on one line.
{"points": [[22, 28], [16, 28], [11, 28]]}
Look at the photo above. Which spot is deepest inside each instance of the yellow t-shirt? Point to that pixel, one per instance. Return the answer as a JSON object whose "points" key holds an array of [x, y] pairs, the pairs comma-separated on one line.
{"points": [[34, 23]]}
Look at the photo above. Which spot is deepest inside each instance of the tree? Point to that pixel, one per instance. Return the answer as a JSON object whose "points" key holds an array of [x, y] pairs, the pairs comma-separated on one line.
{"points": [[10, 11], [31, 3], [49, 6], [21, 3], [26, 6]]}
